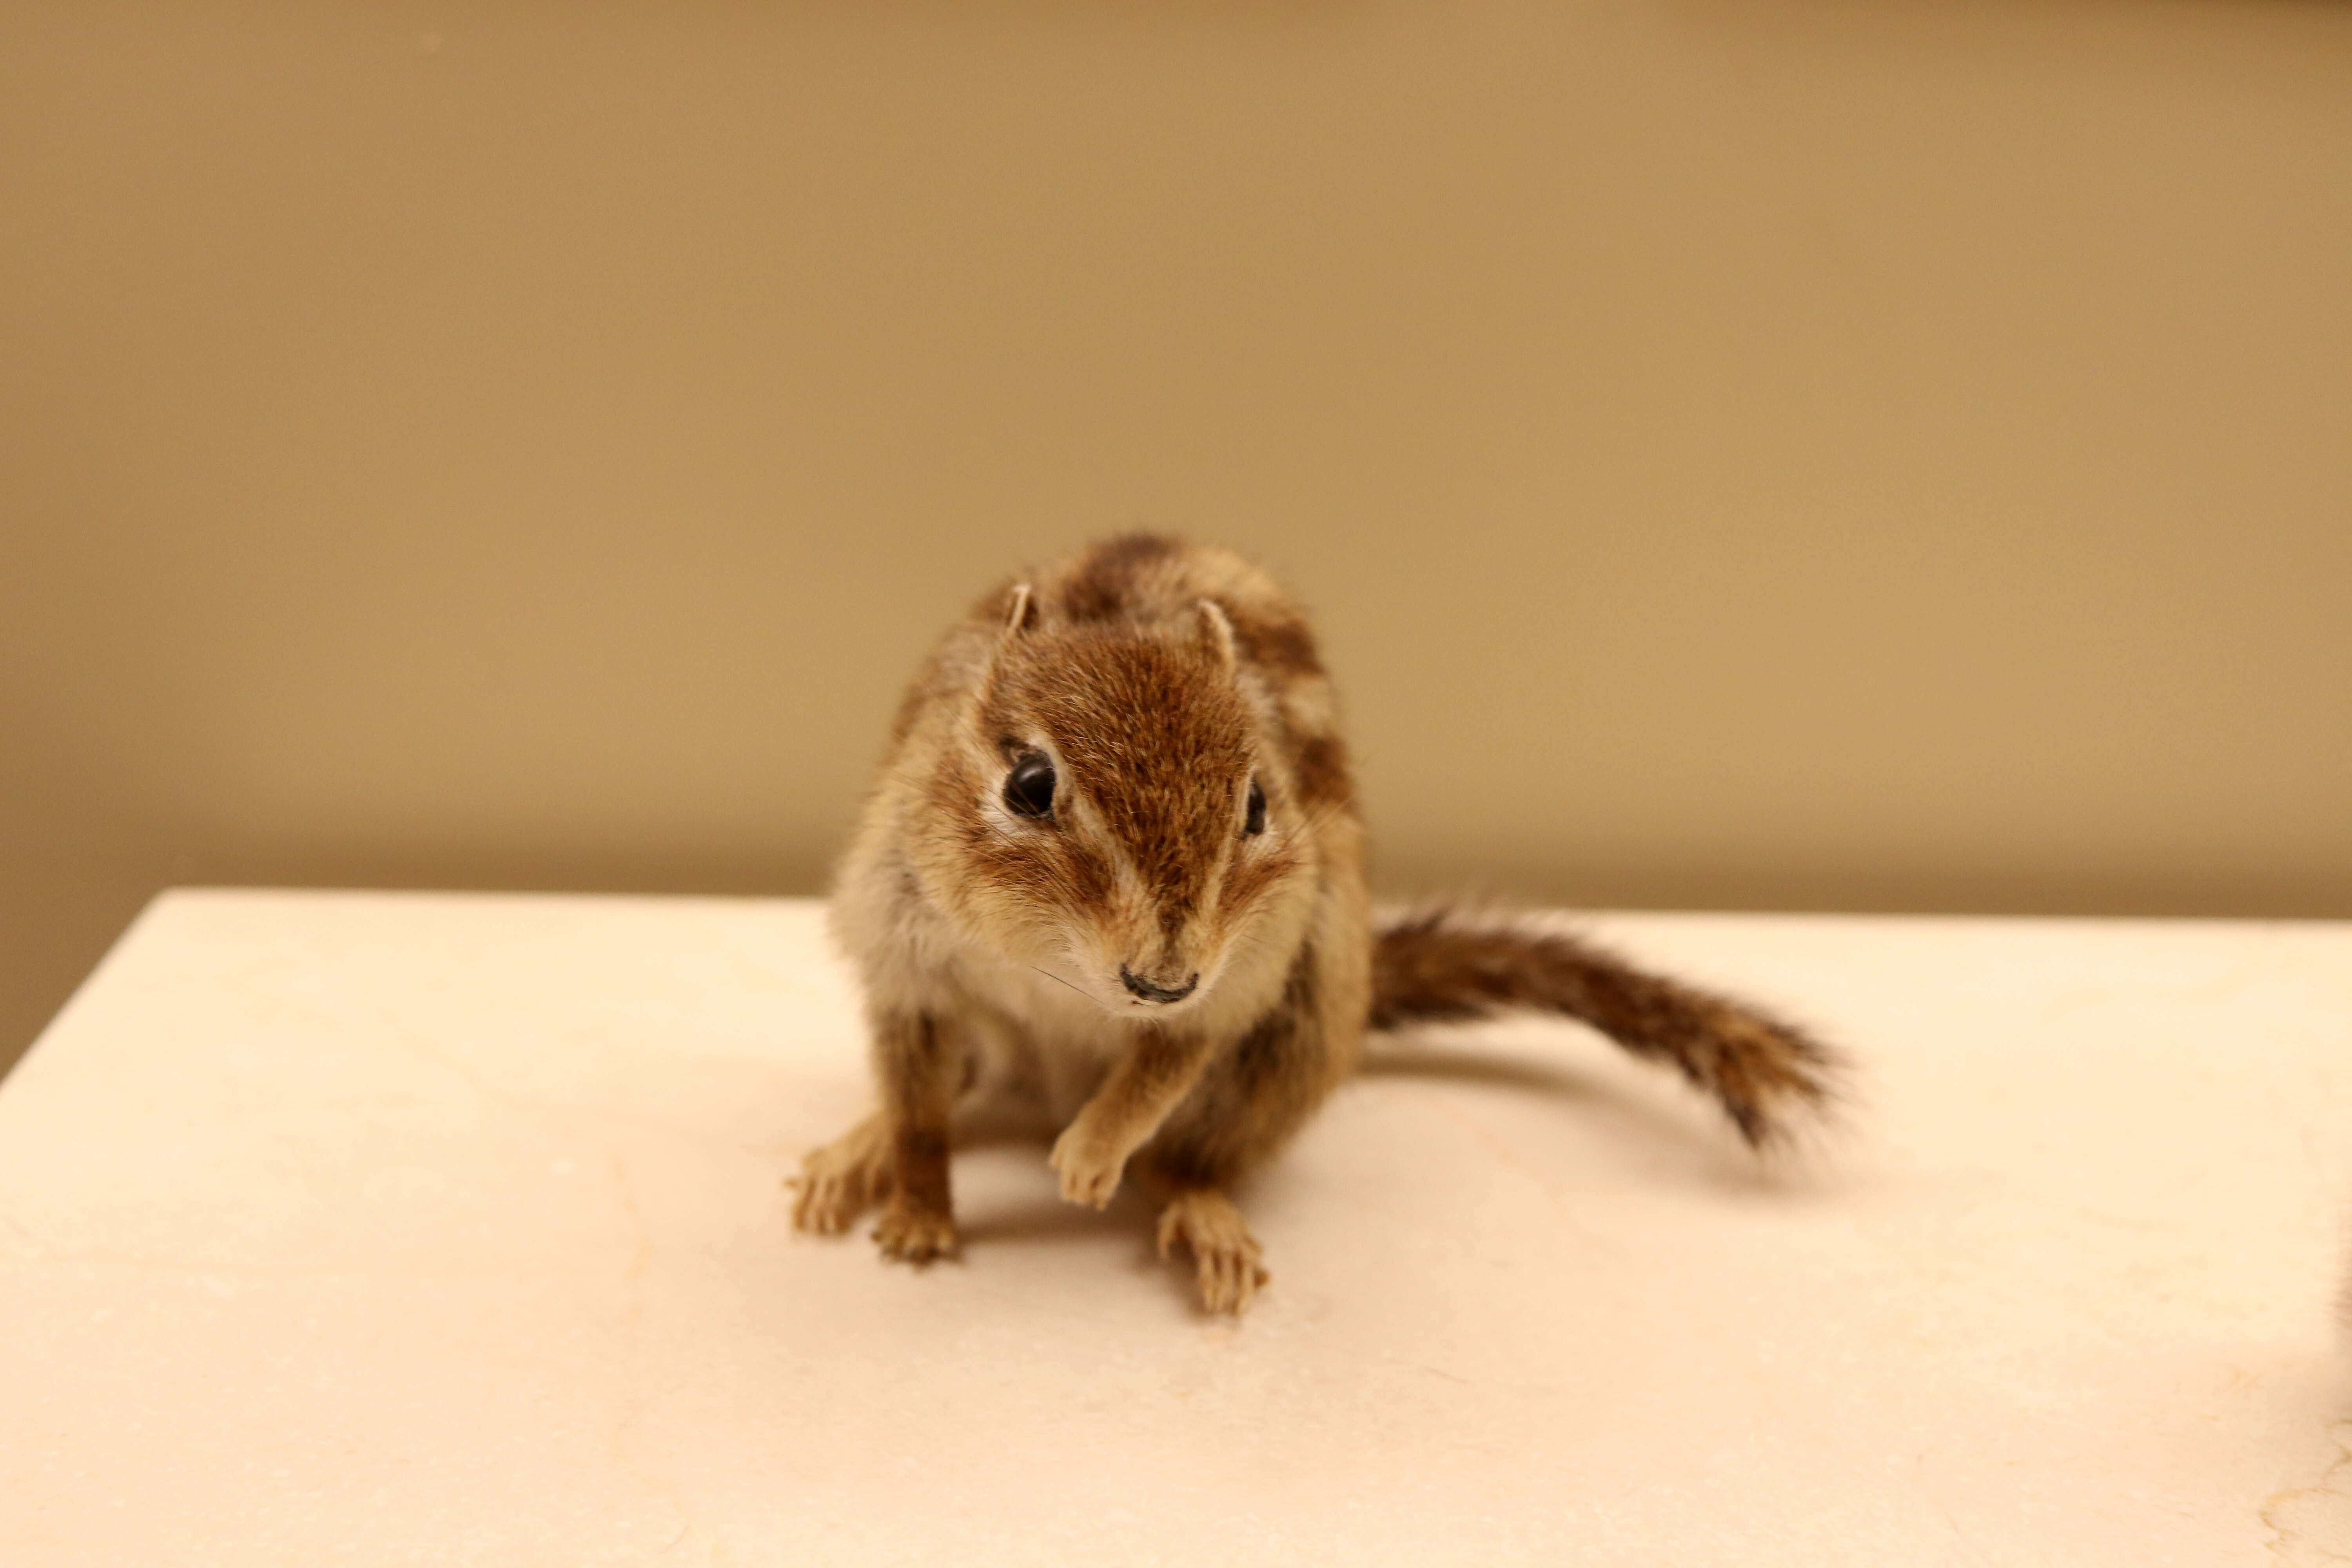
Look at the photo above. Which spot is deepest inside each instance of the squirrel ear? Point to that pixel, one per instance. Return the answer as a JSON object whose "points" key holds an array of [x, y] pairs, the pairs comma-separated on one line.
{"points": [[1022, 614], [1219, 632]]}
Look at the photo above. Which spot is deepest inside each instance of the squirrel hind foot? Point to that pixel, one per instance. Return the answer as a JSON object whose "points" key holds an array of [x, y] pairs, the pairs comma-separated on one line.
{"points": [[1226, 1256], [841, 1181]]}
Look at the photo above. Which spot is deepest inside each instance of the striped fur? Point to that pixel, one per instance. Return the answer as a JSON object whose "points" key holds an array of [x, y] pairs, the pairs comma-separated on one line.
{"points": [[1443, 965]]}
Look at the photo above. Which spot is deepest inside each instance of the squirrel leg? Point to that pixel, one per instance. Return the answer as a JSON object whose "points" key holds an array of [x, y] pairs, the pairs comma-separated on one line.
{"points": [[1092, 1151], [919, 1073]]}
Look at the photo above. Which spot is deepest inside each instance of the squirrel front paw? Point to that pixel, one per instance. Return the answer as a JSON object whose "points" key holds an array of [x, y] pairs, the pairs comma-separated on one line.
{"points": [[1088, 1168]]}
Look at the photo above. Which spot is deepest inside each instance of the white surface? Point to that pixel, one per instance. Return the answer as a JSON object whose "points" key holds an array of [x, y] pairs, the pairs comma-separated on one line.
{"points": [[379, 1228]]}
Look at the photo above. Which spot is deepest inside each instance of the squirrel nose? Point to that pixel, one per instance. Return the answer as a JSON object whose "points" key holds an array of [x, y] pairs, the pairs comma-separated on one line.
{"points": [[1151, 993]]}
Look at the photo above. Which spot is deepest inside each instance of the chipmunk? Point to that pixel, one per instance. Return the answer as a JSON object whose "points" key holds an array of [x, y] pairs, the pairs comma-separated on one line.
{"points": [[1112, 866]]}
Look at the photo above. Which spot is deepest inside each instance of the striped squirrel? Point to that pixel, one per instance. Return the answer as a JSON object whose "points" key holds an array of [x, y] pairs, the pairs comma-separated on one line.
{"points": [[1112, 868]]}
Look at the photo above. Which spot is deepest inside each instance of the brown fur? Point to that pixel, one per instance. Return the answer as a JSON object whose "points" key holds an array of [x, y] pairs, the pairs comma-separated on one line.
{"points": [[1178, 993], [1439, 965]]}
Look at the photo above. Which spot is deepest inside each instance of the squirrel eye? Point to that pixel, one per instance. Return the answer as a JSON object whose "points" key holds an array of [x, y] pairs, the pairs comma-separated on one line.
{"points": [[1029, 787], [1253, 823]]}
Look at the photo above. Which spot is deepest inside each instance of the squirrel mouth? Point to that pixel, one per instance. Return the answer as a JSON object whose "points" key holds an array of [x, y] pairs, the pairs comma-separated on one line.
{"points": [[1146, 991]]}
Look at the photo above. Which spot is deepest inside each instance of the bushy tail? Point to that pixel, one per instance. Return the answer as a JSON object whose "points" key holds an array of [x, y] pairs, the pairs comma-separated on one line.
{"points": [[1439, 964]]}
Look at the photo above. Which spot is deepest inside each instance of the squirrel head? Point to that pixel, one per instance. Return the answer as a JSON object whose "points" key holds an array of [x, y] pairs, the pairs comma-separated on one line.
{"points": [[1111, 809]]}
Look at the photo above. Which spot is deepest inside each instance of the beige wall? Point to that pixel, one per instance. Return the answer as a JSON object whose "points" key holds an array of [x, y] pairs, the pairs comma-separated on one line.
{"points": [[1793, 454]]}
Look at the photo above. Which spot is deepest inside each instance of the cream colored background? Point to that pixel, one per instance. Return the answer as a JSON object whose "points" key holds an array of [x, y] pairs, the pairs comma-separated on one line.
{"points": [[1741, 453]]}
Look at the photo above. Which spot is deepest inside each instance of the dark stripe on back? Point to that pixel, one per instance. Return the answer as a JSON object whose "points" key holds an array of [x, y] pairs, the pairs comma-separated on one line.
{"points": [[1103, 586]]}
